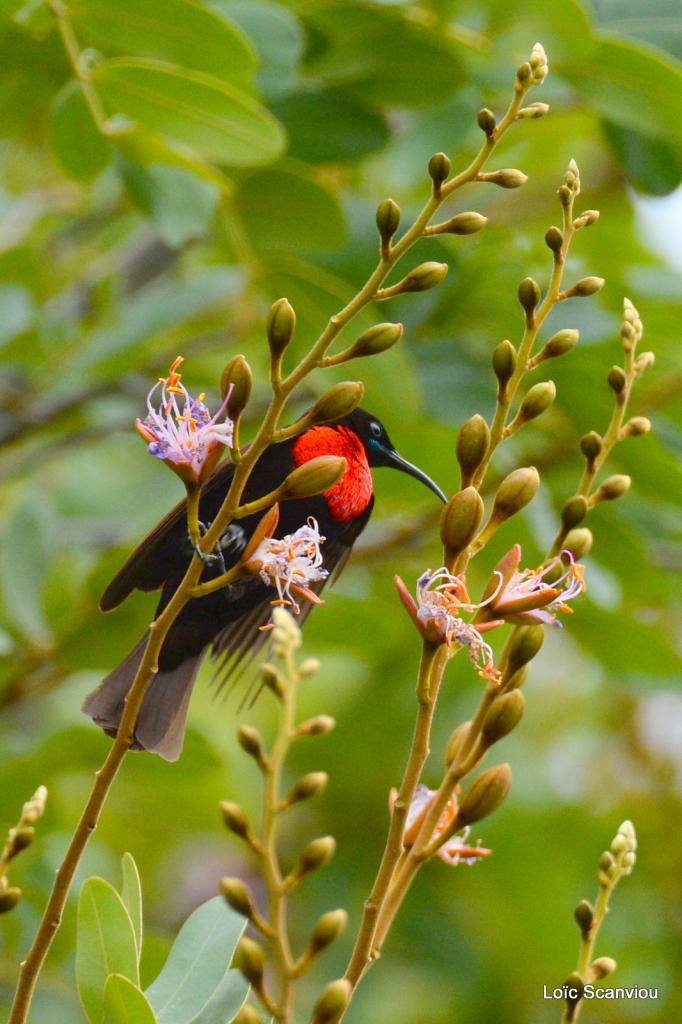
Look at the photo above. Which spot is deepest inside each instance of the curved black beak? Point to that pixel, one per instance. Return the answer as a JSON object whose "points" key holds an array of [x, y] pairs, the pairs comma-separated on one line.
{"points": [[390, 457]]}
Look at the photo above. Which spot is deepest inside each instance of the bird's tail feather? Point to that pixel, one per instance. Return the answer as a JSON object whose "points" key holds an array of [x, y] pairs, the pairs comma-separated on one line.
{"points": [[163, 716]]}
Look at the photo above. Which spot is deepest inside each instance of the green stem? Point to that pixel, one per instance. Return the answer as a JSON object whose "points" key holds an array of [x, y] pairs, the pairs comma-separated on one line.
{"points": [[431, 669], [277, 899], [73, 51]]}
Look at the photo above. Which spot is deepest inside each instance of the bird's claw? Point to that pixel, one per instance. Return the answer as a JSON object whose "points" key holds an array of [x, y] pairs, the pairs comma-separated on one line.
{"points": [[210, 559]]}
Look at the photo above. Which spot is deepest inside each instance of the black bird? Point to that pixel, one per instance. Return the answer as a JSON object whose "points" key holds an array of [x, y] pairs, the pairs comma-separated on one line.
{"points": [[228, 620]]}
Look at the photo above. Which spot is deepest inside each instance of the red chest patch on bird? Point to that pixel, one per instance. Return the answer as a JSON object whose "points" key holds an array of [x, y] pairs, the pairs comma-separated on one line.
{"points": [[353, 492]]}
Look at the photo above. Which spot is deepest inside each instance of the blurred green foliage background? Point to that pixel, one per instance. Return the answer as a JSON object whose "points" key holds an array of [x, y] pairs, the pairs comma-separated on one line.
{"points": [[247, 144]]}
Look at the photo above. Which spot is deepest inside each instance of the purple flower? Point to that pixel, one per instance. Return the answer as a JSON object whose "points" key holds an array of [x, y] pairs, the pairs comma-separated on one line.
{"points": [[182, 432]]}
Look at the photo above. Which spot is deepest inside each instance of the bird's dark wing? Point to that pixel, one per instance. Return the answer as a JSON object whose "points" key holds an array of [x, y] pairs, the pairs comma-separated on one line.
{"points": [[236, 646], [148, 565]]}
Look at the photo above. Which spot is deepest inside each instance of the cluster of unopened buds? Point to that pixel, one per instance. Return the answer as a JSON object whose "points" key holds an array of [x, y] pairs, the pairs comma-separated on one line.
{"points": [[181, 431], [520, 596], [454, 851]]}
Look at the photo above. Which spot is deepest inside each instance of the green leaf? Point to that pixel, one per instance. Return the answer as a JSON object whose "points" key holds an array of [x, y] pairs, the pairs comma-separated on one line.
{"points": [[307, 117], [196, 984], [219, 121], [632, 86], [179, 204], [145, 147], [161, 307], [105, 944], [125, 1003], [379, 54], [283, 210], [652, 165], [23, 556], [277, 35], [76, 139], [178, 31], [131, 894], [659, 23]]}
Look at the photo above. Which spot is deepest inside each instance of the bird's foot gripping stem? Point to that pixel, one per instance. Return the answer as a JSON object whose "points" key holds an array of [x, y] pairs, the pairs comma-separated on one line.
{"points": [[209, 559]]}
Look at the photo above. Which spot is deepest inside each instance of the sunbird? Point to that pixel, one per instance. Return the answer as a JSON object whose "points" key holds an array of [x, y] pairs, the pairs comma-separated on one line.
{"points": [[232, 621]]}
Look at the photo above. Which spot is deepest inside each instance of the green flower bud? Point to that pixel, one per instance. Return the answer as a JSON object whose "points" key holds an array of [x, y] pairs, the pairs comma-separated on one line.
{"points": [[238, 896], [316, 854], [506, 177], [606, 862], [22, 837], [579, 542], [587, 286], [529, 294], [317, 726], [637, 426], [614, 487], [308, 786], [591, 445], [538, 64], [561, 343], [423, 277], [586, 219], [388, 219], [271, 679], [485, 795], [524, 645], [250, 741], [338, 401], [517, 679], [504, 363], [456, 742], [377, 339], [602, 967], [234, 818], [515, 492], [584, 915], [327, 930], [460, 520], [524, 73], [504, 714], [248, 1015], [574, 511], [644, 362], [9, 897], [617, 379], [249, 959], [472, 445], [238, 374], [332, 1002], [537, 400], [574, 983], [486, 121], [314, 477], [554, 239], [628, 863], [461, 224], [280, 326], [440, 166], [533, 110]]}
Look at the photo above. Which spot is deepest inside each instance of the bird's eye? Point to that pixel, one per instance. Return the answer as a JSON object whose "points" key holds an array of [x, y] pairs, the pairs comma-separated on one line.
{"points": [[376, 429]]}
